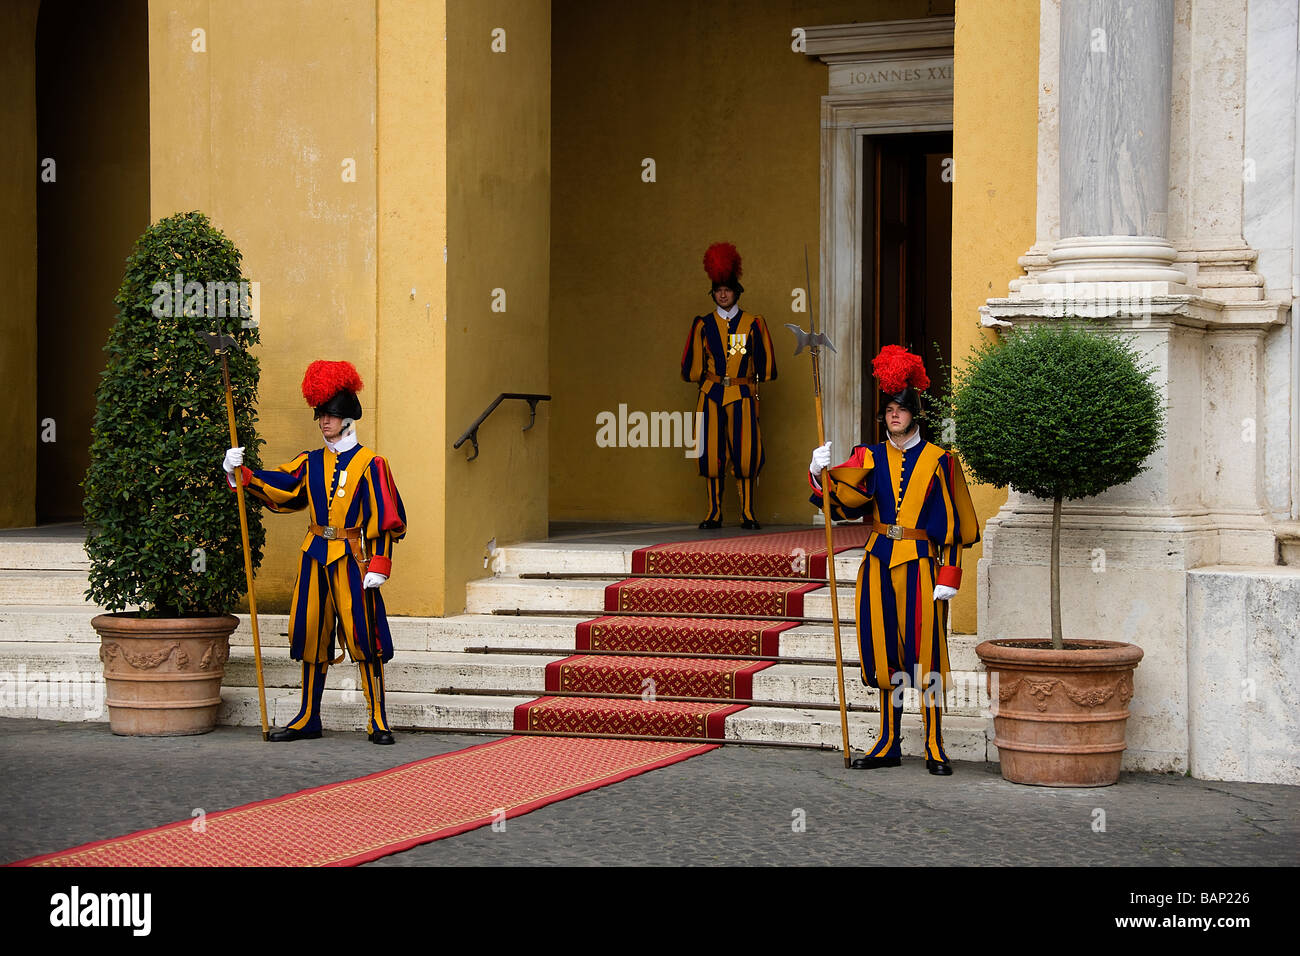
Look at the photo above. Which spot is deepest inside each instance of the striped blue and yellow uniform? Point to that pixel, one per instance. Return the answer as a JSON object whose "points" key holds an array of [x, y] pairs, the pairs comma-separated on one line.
{"points": [[902, 630], [350, 489], [718, 349]]}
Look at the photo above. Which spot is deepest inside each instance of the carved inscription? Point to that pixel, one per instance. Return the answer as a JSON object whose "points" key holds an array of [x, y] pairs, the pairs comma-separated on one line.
{"points": [[898, 75]]}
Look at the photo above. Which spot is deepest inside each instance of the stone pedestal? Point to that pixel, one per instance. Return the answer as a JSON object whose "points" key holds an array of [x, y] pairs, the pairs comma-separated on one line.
{"points": [[1126, 554]]}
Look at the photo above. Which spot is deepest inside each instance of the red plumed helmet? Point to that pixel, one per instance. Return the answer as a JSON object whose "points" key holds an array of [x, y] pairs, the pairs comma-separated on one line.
{"points": [[722, 263], [325, 381], [897, 369]]}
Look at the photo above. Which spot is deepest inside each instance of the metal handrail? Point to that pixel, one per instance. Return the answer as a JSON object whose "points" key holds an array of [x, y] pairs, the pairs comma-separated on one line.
{"points": [[472, 432]]}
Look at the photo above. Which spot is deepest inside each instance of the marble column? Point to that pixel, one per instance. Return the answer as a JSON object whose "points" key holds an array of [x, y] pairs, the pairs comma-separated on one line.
{"points": [[1116, 67]]}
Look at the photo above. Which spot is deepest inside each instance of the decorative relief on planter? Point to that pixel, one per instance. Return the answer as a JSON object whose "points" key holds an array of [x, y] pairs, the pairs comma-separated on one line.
{"points": [[215, 656], [110, 651], [1040, 690]]}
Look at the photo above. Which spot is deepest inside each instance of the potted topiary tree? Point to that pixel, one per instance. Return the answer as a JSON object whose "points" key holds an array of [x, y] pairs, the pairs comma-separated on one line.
{"points": [[1061, 412], [164, 537]]}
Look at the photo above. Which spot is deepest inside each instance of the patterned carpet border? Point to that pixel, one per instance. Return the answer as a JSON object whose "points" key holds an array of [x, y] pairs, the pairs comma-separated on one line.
{"points": [[662, 676], [684, 596], [465, 790], [682, 635], [792, 554], [598, 715]]}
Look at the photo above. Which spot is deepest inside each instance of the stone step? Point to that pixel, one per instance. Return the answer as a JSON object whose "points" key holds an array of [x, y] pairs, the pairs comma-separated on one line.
{"points": [[43, 587], [538, 558], [19, 552], [48, 623], [58, 626], [965, 738], [487, 594], [430, 672]]}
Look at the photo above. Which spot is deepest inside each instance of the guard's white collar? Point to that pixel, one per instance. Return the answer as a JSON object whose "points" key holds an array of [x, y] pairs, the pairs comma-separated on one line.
{"points": [[910, 443], [345, 443], [730, 313]]}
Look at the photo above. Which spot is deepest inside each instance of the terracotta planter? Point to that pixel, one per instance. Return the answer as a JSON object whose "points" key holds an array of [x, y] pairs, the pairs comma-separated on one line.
{"points": [[1059, 716], [163, 675]]}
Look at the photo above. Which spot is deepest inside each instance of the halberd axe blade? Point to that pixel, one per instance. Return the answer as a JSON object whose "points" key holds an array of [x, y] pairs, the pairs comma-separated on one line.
{"points": [[813, 340]]}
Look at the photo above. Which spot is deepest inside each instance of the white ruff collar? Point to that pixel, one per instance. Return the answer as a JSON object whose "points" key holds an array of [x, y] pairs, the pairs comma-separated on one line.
{"points": [[345, 443], [910, 443]]}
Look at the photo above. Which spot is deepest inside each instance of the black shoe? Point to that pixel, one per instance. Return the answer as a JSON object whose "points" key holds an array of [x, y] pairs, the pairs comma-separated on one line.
{"points": [[749, 524], [708, 524], [875, 763], [288, 734], [940, 768], [381, 737]]}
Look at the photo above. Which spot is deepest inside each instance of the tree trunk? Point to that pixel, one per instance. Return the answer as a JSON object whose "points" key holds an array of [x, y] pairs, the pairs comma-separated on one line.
{"points": [[1058, 642]]}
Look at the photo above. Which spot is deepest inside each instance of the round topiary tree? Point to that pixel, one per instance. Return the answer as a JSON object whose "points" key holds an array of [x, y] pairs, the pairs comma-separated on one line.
{"points": [[164, 528], [1058, 411]]}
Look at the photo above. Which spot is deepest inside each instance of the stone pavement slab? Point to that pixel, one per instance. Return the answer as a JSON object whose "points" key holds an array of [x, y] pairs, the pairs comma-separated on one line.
{"points": [[64, 784]]}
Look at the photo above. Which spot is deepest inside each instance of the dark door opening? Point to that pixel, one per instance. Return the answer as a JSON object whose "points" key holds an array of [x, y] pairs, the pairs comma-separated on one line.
{"points": [[906, 258], [92, 141]]}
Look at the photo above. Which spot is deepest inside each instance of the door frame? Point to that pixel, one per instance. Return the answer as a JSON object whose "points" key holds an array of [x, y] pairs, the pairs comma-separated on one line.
{"points": [[892, 76]]}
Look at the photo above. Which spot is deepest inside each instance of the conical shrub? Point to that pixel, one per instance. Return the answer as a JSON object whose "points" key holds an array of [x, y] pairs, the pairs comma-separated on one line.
{"points": [[164, 527]]}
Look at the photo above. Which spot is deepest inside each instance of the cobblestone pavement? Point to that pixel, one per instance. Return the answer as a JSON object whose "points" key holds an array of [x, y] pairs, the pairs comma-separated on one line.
{"points": [[64, 784]]}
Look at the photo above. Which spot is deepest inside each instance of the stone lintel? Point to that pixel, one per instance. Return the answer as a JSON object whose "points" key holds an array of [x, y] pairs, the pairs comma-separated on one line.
{"points": [[1132, 306], [886, 37]]}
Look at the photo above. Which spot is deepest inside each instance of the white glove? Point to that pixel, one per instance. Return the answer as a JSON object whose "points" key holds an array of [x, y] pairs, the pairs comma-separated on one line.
{"points": [[821, 460], [374, 579], [942, 592], [234, 458]]}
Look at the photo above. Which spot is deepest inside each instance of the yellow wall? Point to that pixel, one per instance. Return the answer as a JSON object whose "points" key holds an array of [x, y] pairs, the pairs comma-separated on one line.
{"points": [[411, 337], [995, 143], [18, 183], [499, 222], [730, 114], [254, 132]]}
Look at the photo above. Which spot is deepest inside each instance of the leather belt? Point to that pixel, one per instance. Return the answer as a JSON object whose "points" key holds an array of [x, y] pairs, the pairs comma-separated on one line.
{"points": [[724, 381], [897, 532], [353, 536], [332, 534]]}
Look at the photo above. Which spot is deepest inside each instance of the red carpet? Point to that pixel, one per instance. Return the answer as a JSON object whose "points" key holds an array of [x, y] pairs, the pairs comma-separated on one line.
{"points": [[399, 808], [456, 792], [682, 635], [792, 555], [777, 598], [597, 715], [784, 554], [653, 676]]}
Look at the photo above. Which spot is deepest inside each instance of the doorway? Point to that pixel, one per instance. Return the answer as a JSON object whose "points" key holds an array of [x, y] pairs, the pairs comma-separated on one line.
{"points": [[906, 257]]}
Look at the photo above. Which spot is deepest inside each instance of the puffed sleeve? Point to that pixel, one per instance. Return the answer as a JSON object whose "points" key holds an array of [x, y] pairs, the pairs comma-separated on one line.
{"points": [[283, 488], [383, 514], [961, 527], [762, 357], [850, 486], [693, 354]]}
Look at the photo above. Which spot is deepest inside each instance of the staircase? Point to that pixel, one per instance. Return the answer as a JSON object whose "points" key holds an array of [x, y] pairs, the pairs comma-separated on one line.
{"points": [[469, 672]]}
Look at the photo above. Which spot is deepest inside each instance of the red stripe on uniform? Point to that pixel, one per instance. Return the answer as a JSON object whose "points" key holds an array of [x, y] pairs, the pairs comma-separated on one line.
{"points": [[392, 519]]}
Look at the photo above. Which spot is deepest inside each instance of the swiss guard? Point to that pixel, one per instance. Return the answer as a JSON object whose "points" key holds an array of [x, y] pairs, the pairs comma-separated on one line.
{"points": [[355, 516], [914, 496], [728, 352]]}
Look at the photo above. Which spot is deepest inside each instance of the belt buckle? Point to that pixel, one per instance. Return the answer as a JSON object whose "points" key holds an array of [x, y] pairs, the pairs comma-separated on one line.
{"points": [[329, 534], [896, 532], [726, 381]]}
